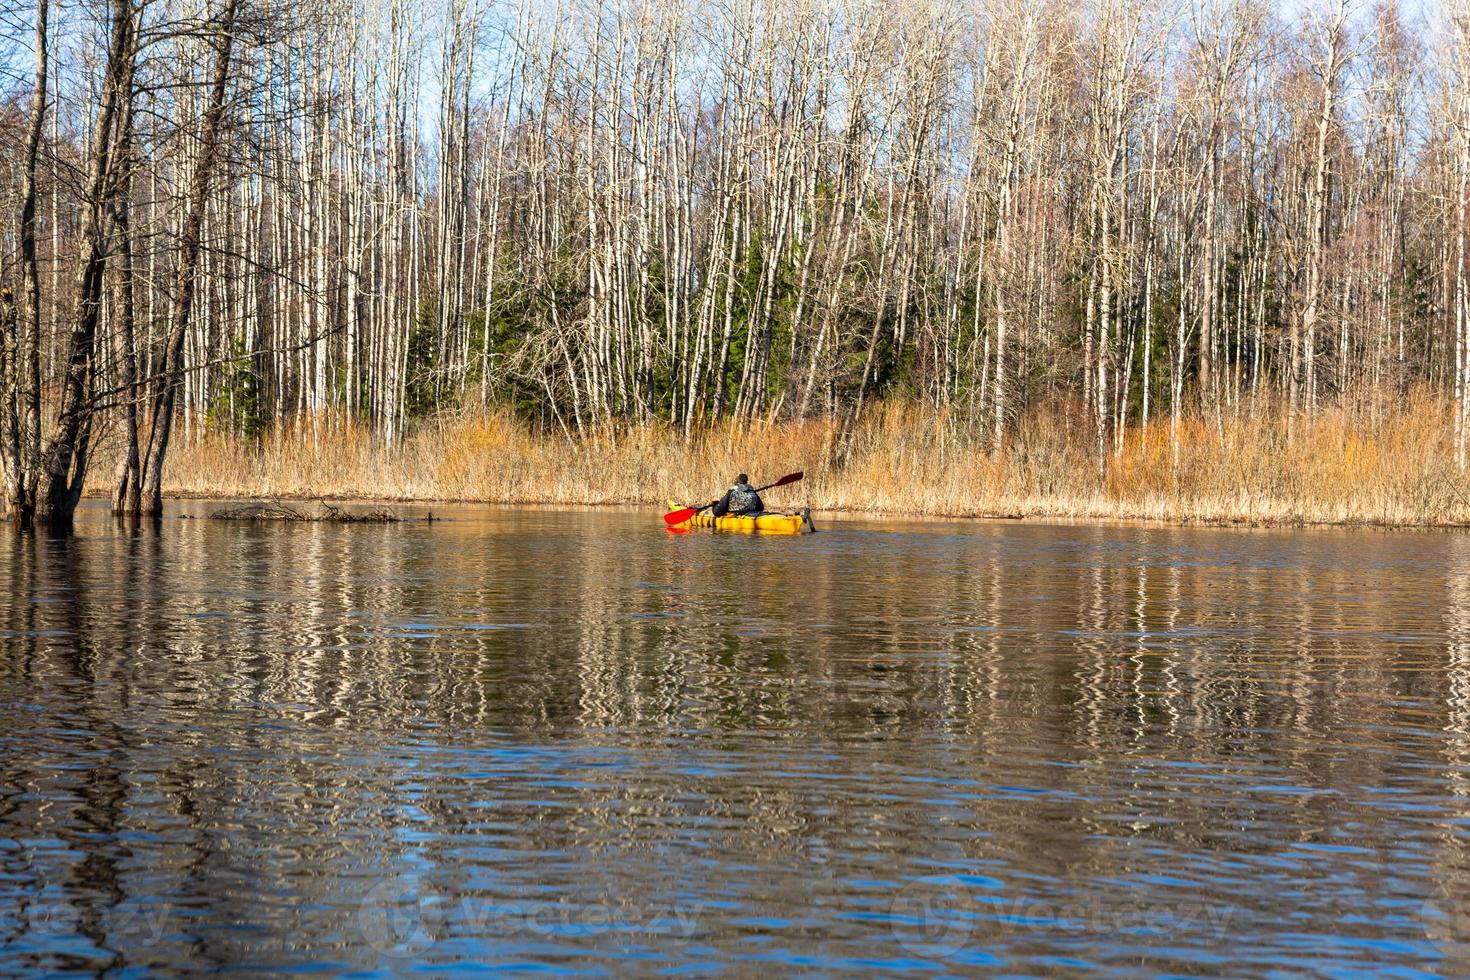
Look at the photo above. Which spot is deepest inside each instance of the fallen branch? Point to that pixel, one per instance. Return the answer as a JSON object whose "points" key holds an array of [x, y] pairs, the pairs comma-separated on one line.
{"points": [[274, 510]]}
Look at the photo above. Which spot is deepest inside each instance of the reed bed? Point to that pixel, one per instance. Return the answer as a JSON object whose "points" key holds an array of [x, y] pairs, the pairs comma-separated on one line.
{"points": [[1392, 466]]}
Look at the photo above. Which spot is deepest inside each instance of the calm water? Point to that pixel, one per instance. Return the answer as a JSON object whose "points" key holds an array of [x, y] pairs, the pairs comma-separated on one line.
{"points": [[572, 741]]}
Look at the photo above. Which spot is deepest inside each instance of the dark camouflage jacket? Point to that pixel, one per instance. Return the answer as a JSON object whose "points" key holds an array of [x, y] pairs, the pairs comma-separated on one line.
{"points": [[739, 499]]}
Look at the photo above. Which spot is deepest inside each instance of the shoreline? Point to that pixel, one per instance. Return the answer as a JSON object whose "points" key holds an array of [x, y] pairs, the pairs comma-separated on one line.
{"points": [[839, 513]]}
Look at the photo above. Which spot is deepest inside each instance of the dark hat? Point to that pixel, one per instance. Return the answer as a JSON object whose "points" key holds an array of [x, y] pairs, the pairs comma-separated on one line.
{"points": [[742, 478]]}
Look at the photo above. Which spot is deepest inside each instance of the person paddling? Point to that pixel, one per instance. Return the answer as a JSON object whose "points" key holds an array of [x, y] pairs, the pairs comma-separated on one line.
{"points": [[735, 496], [741, 500]]}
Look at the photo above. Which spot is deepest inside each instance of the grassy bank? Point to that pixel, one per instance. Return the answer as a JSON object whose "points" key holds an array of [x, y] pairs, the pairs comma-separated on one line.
{"points": [[1392, 466]]}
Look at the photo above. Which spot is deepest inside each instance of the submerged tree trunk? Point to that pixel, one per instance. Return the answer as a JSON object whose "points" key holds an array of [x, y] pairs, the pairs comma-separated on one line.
{"points": [[64, 461], [22, 345], [127, 479], [173, 368]]}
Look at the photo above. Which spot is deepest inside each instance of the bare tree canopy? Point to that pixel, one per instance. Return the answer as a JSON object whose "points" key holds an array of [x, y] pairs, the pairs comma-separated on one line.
{"points": [[234, 214]]}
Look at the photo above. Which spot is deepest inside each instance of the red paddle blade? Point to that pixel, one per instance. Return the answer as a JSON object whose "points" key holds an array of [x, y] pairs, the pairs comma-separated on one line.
{"points": [[788, 478], [679, 516]]}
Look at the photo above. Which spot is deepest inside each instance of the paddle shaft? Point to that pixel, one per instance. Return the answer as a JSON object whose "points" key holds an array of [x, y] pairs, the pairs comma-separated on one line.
{"points": [[788, 478]]}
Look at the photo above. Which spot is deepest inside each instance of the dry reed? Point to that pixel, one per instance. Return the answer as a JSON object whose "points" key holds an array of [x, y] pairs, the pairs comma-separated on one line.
{"points": [[1391, 466]]}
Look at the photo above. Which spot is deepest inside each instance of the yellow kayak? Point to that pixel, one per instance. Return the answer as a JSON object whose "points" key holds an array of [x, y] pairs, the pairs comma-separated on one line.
{"points": [[770, 523]]}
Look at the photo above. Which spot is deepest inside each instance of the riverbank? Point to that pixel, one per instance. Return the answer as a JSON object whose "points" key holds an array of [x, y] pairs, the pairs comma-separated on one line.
{"points": [[1394, 466]]}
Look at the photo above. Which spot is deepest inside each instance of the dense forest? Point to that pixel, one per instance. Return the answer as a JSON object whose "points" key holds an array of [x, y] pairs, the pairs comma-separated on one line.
{"points": [[234, 215]]}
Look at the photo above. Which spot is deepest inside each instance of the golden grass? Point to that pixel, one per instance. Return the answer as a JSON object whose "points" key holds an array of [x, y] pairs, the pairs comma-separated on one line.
{"points": [[1395, 466]]}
